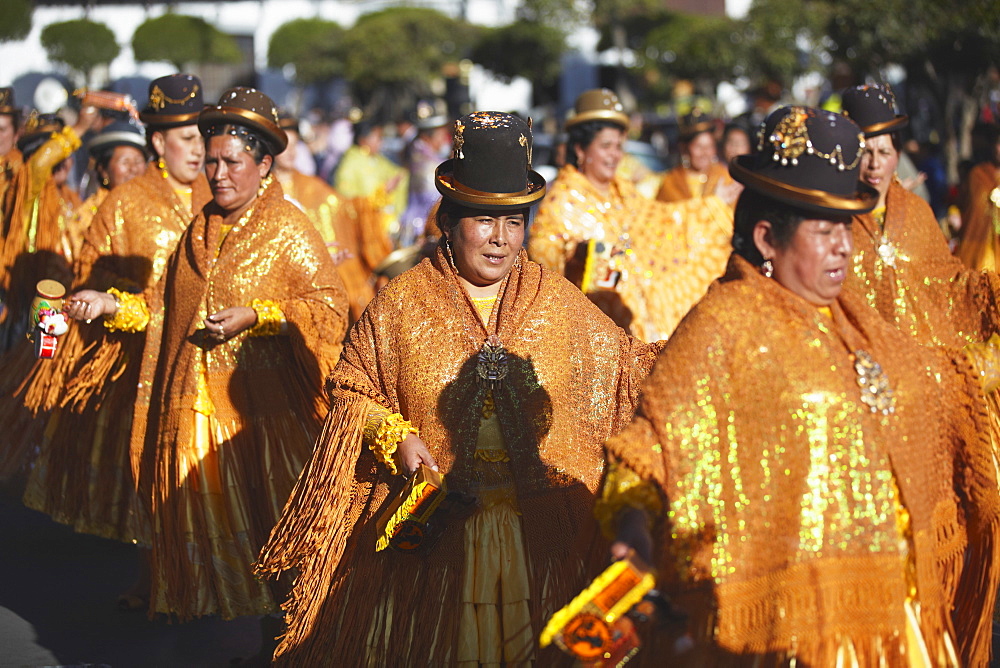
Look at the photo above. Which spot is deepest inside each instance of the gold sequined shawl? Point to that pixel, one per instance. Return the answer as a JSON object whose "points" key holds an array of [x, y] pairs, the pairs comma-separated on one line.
{"points": [[253, 382], [782, 536], [353, 224], [127, 245], [905, 271], [573, 380], [674, 250], [9, 164], [979, 247], [675, 186]]}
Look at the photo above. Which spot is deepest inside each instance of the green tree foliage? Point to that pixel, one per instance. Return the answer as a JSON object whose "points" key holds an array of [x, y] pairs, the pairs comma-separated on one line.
{"points": [[312, 45], [15, 20], [527, 49], [694, 47], [81, 44], [182, 40]]}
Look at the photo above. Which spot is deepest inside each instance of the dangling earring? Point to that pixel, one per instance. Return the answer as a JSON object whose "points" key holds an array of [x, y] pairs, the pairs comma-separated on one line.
{"points": [[264, 184], [451, 258], [767, 269], [162, 166]]}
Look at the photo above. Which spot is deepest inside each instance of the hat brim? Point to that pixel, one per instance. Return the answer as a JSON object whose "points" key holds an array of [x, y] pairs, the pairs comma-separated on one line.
{"points": [[898, 123], [237, 116], [155, 121], [455, 192], [432, 122], [617, 117], [817, 201], [692, 131], [7, 110], [112, 139]]}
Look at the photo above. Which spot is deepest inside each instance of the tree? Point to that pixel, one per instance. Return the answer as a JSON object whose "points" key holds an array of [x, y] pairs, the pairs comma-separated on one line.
{"points": [[391, 56], [183, 40], [81, 44], [526, 48], [15, 20], [312, 45]]}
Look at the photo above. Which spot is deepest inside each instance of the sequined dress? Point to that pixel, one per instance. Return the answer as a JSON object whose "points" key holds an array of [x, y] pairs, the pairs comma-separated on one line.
{"points": [[82, 475], [824, 481], [681, 183], [221, 430], [572, 377], [644, 263]]}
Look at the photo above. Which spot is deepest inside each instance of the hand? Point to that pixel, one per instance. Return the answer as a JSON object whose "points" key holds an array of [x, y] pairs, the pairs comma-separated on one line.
{"points": [[88, 116], [914, 181], [229, 322], [633, 534], [89, 304], [411, 453]]}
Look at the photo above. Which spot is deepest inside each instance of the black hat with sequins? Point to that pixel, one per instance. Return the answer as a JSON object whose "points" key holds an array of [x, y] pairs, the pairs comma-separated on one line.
{"points": [[809, 158], [37, 130], [490, 165], [251, 109], [7, 106], [873, 108], [174, 100]]}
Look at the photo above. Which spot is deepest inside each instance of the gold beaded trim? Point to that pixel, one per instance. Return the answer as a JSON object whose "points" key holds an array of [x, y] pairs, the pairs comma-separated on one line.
{"points": [[790, 140]]}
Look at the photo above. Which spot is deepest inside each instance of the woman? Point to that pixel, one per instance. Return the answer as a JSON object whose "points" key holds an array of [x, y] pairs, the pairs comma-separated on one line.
{"points": [[902, 266], [642, 262], [239, 332], [819, 480], [735, 141], [980, 205], [700, 173], [502, 376], [82, 474]]}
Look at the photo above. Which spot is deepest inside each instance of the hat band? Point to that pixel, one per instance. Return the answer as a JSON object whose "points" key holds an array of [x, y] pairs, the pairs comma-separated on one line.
{"points": [[808, 196], [462, 188], [616, 117], [885, 126], [154, 119]]}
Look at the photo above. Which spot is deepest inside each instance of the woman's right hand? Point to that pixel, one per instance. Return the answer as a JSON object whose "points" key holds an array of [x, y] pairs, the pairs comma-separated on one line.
{"points": [[411, 453], [633, 534], [89, 304]]}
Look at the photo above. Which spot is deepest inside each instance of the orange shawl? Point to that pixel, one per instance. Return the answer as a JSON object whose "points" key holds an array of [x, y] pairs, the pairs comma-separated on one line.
{"points": [[266, 390], [783, 532], [676, 186], [573, 380], [979, 247]]}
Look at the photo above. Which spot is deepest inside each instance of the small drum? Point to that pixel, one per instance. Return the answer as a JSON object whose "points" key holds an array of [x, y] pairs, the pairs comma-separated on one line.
{"points": [[45, 345]]}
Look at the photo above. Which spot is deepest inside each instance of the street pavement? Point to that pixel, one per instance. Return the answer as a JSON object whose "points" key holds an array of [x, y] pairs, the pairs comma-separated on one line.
{"points": [[58, 592]]}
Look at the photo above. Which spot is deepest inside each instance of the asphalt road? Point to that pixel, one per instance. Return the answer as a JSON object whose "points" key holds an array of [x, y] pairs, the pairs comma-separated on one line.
{"points": [[58, 592]]}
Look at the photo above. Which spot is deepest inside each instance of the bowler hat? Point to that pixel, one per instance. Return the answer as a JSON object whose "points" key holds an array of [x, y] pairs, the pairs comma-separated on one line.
{"points": [[598, 104], [174, 100], [251, 109], [694, 123], [873, 108], [37, 129], [7, 106], [119, 133], [490, 167], [808, 158]]}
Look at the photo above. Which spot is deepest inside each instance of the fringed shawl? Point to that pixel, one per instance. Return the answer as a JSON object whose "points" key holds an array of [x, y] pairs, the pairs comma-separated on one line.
{"points": [[783, 533], [573, 380]]}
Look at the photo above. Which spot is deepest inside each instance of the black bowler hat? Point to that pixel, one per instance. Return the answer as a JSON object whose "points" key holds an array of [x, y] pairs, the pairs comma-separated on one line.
{"points": [[7, 106], [119, 133], [873, 108], [251, 109], [37, 129], [287, 121], [694, 123], [808, 158], [174, 100], [490, 165]]}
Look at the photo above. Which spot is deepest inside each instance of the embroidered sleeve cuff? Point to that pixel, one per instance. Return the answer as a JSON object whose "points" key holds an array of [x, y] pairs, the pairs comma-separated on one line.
{"points": [[623, 488], [384, 431], [270, 319], [985, 359], [132, 314]]}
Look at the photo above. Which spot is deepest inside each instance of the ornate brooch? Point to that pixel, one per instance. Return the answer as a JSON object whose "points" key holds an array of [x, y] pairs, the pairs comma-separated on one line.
{"points": [[790, 139], [458, 141], [875, 390], [492, 363]]}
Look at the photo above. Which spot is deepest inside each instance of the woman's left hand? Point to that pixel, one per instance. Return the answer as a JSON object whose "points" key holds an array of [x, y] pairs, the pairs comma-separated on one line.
{"points": [[229, 322]]}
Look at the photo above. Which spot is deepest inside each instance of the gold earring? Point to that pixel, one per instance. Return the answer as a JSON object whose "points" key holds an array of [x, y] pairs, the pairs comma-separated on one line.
{"points": [[162, 166], [767, 269]]}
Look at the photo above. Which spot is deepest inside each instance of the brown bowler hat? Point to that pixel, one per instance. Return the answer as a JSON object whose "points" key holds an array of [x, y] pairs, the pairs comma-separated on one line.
{"points": [[490, 167], [7, 106], [174, 100], [598, 104], [251, 109], [873, 108], [808, 158], [694, 123]]}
